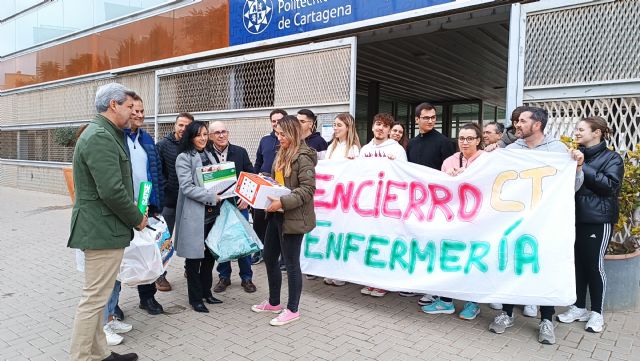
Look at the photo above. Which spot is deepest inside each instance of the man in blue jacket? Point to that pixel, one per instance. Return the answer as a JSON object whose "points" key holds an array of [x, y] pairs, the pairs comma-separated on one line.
{"points": [[146, 166], [265, 156], [224, 151]]}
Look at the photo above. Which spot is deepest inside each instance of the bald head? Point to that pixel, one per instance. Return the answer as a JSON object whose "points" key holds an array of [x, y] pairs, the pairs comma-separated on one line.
{"points": [[219, 134]]}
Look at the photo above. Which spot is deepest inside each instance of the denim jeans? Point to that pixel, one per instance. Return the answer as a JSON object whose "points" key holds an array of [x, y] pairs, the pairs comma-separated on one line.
{"points": [[244, 263], [112, 302]]}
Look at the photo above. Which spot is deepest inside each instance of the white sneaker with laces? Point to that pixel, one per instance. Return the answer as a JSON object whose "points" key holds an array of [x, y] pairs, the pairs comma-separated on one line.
{"points": [[112, 337], [530, 311], [426, 300], [595, 323], [574, 314], [119, 326]]}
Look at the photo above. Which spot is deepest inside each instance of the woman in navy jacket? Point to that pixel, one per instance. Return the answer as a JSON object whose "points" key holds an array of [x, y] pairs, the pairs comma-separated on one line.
{"points": [[596, 213]]}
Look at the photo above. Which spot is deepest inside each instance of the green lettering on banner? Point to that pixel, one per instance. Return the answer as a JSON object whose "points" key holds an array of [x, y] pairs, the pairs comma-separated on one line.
{"points": [[478, 251], [522, 257], [309, 239], [449, 246], [372, 251], [428, 253], [334, 248], [349, 246], [398, 251], [503, 251]]}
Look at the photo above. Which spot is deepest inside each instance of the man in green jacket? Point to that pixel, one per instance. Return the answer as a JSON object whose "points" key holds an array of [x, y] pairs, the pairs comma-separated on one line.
{"points": [[103, 216]]}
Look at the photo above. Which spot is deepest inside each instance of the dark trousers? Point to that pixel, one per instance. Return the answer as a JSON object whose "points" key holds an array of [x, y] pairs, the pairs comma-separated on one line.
{"points": [[199, 273], [147, 291], [546, 312], [244, 263], [259, 223], [591, 244], [276, 243]]}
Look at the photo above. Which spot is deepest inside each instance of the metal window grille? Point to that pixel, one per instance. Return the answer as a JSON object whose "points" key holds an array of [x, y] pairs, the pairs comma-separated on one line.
{"points": [[321, 77], [241, 86], [71, 102], [622, 115], [583, 44]]}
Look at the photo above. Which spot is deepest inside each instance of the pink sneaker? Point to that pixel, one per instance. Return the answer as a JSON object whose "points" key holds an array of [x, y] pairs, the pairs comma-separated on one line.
{"points": [[285, 317], [265, 306], [378, 292], [366, 290]]}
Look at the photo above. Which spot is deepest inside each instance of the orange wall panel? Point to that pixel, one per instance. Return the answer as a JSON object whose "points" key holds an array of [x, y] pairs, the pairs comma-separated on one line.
{"points": [[194, 28]]}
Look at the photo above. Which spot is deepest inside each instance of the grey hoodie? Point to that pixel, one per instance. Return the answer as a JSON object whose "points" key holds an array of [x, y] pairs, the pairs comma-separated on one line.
{"points": [[549, 144]]}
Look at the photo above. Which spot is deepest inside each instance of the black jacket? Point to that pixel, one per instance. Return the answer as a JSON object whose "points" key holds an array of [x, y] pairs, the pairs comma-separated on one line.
{"points": [[168, 151], [597, 198], [430, 149], [237, 155]]}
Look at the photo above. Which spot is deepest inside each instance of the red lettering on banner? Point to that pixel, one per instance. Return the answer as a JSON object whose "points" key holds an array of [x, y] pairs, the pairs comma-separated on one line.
{"points": [[376, 207], [474, 193], [321, 191], [343, 196], [439, 202], [389, 197], [414, 202], [356, 200]]}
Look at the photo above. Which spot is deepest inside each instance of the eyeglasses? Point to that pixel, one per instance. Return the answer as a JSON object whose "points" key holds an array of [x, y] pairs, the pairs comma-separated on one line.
{"points": [[219, 133], [489, 132], [466, 139], [433, 117]]}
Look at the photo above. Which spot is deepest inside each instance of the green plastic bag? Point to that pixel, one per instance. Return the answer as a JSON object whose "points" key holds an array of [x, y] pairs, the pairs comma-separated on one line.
{"points": [[232, 236]]}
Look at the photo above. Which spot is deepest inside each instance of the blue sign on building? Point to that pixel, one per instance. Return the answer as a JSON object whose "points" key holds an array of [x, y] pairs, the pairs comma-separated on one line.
{"points": [[254, 20]]}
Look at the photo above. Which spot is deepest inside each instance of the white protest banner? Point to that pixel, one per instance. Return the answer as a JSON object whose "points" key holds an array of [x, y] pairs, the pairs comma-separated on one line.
{"points": [[502, 231]]}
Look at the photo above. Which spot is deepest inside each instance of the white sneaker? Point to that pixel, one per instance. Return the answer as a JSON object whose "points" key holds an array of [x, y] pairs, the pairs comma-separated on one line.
{"points": [[119, 326], [339, 283], [310, 277], [426, 300], [530, 311], [573, 314], [112, 337], [595, 323], [495, 306]]}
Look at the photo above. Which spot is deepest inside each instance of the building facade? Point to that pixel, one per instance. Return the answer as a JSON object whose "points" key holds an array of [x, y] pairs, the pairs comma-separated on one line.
{"points": [[235, 60]]}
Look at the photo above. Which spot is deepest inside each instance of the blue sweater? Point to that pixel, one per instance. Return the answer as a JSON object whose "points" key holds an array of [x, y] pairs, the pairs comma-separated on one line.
{"points": [[266, 153], [154, 169]]}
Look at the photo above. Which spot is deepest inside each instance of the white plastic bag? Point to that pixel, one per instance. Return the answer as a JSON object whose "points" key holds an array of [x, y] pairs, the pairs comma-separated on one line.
{"points": [[142, 260], [163, 240], [79, 260]]}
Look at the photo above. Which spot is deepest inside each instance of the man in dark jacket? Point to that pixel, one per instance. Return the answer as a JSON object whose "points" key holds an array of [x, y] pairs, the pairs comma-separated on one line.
{"points": [[168, 151], [224, 151], [265, 156], [145, 166], [309, 124], [430, 148], [103, 216]]}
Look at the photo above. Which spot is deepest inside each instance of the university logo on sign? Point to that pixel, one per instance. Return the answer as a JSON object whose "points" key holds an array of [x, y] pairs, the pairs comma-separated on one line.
{"points": [[256, 15]]}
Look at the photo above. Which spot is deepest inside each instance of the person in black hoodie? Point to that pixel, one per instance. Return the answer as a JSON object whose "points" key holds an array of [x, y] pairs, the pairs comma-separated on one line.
{"points": [[430, 148], [597, 210], [309, 124]]}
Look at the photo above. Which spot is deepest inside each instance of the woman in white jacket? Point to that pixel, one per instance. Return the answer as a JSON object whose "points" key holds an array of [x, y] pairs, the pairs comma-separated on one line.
{"points": [[345, 145]]}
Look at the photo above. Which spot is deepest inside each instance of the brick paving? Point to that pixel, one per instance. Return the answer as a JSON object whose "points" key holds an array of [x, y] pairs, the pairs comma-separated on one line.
{"points": [[39, 291]]}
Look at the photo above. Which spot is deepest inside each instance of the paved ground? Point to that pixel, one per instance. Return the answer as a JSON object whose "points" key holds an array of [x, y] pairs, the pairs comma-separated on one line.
{"points": [[39, 291]]}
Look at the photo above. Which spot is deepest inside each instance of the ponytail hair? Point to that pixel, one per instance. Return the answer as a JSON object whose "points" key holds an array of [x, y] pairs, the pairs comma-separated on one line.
{"points": [[596, 123]]}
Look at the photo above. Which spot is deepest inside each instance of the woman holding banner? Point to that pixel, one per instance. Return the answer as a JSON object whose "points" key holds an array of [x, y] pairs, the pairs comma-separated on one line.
{"points": [[196, 212], [289, 218], [470, 145], [596, 211], [345, 145]]}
